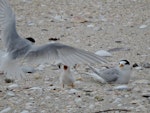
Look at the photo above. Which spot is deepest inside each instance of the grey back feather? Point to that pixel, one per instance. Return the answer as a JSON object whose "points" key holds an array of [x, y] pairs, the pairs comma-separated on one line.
{"points": [[109, 75]]}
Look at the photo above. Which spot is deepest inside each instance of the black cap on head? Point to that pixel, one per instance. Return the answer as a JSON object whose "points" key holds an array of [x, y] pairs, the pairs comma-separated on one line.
{"points": [[126, 62]]}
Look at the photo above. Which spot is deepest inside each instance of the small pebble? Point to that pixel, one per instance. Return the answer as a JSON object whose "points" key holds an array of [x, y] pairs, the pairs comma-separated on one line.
{"points": [[90, 25], [36, 88], [139, 68], [29, 106], [126, 96], [119, 105], [118, 49], [44, 30], [134, 102], [146, 95], [146, 65], [142, 81], [31, 23], [25, 111], [9, 80], [135, 65], [118, 41], [102, 18], [121, 87], [103, 53], [98, 98], [13, 86], [78, 100], [78, 19], [58, 18], [10, 93], [37, 77], [117, 112], [91, 106], [73, 91], [53, 39], [137, 89], [87, 90], [6, 110], [41, 67], [28, 69], [143, 26], [117, 100]]}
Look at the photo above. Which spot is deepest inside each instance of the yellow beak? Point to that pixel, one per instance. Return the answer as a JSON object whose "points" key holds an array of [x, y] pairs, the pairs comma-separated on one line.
{"points": [[121, 65]]}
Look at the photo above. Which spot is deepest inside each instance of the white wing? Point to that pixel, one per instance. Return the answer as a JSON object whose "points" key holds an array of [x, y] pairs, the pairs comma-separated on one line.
{"points": [[15, 45], [67, 55], [7, 22]]}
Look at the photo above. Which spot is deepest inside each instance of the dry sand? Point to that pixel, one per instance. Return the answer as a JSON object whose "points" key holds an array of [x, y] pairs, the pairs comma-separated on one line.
{"points": [[91, 25]]}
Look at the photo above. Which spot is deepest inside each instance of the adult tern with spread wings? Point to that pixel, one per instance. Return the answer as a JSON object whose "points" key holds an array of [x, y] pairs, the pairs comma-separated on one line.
{"points": [[19, 48]]}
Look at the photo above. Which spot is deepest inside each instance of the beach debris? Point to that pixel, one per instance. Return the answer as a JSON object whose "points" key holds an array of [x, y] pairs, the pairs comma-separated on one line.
{"points": [[7, 80], [54, 39], [103, 53], [27, 69], [122, 87], [79, 19], [6, 110], [143, 26], [146, 65]]}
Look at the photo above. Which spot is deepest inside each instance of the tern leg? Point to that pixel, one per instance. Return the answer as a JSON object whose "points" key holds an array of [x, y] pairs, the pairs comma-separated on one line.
{"points": [[72, 85]]}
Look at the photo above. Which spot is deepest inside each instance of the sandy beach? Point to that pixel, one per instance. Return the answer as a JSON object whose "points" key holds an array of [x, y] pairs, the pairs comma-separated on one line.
{"points": [[90, 25]]}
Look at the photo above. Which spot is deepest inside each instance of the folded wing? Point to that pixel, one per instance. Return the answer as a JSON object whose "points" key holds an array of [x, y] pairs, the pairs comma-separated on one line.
{"points": [[109, 75]]}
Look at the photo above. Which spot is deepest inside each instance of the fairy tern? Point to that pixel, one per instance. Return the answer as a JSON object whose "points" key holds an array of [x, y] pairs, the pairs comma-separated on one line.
{"points": [[119, 74], [66, 77], [19, 49]]}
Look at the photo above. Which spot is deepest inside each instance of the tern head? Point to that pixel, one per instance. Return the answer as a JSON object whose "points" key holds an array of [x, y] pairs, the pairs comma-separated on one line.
{"points": [[124, 64]]}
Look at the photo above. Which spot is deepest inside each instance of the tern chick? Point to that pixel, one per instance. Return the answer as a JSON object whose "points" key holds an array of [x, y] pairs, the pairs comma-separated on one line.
{"points": [[21, 49], [119, 74], [66, 76]]}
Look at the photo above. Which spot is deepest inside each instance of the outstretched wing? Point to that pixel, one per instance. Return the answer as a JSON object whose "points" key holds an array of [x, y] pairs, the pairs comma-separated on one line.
{"points": [[15, 45], [7, 22], [67, 55]]}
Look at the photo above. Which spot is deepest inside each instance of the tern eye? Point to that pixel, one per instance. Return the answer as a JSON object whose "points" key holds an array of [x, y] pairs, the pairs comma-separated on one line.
{"points": [[59, 66]]}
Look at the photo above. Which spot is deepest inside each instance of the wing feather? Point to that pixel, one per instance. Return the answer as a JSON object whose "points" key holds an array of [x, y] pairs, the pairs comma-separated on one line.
{"points": [[65, 54], [109, 75], [10, 38]]}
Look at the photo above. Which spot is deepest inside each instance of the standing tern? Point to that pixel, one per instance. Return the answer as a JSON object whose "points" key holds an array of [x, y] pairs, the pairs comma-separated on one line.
{"points": [[21, 49], [66, 77]]}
